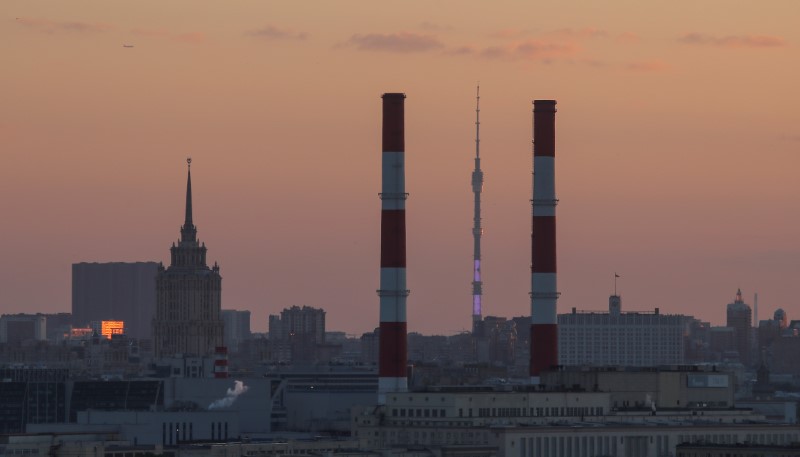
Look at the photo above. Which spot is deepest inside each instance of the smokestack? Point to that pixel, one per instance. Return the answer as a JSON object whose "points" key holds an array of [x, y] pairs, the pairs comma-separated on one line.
{"points": [[393, 293], [544, 329]]}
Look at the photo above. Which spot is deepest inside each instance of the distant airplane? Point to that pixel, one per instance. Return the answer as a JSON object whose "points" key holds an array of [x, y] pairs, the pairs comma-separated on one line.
{"points": [[127, 45]]}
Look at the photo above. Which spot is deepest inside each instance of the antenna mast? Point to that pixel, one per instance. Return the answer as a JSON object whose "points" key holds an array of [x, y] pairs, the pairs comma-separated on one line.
{"points": [[477, 230]]}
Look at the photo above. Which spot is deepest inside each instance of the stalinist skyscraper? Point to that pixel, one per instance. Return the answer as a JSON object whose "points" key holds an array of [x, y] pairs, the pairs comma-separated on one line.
{"points": [[188, 321]]}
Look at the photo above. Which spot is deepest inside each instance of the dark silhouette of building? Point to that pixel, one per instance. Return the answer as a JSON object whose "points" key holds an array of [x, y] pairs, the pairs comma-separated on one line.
{"points": [[115, 291], [740, 319], [59, 325], [302, 329], [189, 293], [237, 328], [20, 328]]}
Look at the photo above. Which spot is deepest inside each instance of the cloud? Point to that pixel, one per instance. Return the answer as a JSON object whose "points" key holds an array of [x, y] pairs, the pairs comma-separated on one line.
{"points": [[647, 66], [583, 33], [187, 37], [462, 50], [402, 42], [48, 26], [506, 34], [432, 27], [530, 50], [274, 33], [733, 41]]}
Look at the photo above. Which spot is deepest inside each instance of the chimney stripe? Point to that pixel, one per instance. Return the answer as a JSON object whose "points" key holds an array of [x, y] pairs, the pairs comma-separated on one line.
{"points": [[544, 295], [393, 332]]}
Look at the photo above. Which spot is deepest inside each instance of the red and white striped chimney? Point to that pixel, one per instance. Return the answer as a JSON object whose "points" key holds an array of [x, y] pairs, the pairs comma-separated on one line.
{"points": [[393, 293], [544, 294]]}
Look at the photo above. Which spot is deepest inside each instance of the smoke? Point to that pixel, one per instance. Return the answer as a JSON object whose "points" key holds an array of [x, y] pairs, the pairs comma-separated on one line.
{"points": [[230, 396]]}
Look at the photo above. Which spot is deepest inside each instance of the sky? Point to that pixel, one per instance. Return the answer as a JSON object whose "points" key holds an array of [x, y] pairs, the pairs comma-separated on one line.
{"points": [[677, 145]]}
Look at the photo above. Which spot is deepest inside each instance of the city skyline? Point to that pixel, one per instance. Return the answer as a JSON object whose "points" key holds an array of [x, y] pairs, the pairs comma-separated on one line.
{"points": [[676, 142]]}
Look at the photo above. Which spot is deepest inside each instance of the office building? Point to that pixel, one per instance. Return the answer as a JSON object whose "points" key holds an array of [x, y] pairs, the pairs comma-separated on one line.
{"points": [[621, 338], [237, 328], [20, 328], [739, 318], [115, 291]]}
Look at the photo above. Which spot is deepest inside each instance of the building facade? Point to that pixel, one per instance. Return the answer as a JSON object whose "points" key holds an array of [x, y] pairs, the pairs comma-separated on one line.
{"points": [[237, 328], [20, 328], [621, 338], [740, 318], [188, 297], [301, 329], [526, 421]]}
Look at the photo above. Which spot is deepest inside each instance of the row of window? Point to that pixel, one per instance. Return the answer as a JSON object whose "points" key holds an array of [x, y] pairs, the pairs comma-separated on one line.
{"points": [[502, 412], [418, 412]]}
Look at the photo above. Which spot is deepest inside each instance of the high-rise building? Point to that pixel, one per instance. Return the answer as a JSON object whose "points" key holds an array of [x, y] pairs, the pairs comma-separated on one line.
{"points": [[739, 317], [302, 328], [119, 291], [621, 338], [188, 297], [237, 328]]}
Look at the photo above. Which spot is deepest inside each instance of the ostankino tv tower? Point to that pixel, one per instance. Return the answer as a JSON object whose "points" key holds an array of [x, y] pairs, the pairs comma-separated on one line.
{"points": [[477, 230]]}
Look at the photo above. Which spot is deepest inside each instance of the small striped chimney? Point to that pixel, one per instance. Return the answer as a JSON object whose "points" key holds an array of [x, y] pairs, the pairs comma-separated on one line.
{"points": [[544, 294], [393, 343], [220, 362]]}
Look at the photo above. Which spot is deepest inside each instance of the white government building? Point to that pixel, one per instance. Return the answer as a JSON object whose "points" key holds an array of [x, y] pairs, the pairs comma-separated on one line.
{"points": [[633, 339]]}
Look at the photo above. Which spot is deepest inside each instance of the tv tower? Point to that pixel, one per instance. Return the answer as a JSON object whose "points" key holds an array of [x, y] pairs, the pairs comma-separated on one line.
{"points": [[477, 231]]}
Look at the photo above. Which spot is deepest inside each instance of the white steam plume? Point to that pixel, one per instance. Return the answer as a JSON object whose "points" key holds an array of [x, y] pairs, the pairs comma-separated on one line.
{"points": [[230, 396]]}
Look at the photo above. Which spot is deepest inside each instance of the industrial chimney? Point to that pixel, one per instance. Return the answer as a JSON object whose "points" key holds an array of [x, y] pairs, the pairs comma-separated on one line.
{"points": [[393, 293], [544, 329]]}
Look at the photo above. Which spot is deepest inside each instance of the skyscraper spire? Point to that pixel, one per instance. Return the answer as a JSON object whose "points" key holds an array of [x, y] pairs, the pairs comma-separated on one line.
{"points": [[188, 231]]}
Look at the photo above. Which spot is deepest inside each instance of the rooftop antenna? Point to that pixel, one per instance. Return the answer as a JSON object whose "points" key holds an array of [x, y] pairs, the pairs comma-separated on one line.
{"points": [[615, 283]]}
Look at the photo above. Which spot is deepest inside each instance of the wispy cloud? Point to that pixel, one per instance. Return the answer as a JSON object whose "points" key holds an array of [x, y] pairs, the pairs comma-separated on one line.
{"points": [[647, 66], [510, 34], [567, 33], [733, 41], [274, 33], [185, 37], [530, 50], [433, 27], [462, 50], [582, 33], [402, 42], [48, 26]]}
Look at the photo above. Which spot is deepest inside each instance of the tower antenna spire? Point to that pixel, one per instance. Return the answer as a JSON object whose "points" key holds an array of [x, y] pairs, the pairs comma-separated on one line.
{"points": [[188, 231], [477, 229]]}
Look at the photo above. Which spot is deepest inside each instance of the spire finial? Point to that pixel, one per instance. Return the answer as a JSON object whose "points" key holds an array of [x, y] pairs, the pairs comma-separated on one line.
{"points": [[188, 231], [188, 221]]}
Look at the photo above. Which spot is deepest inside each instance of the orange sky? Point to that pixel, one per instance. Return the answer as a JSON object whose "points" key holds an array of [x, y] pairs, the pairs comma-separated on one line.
{"points": [[676, 163]]}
